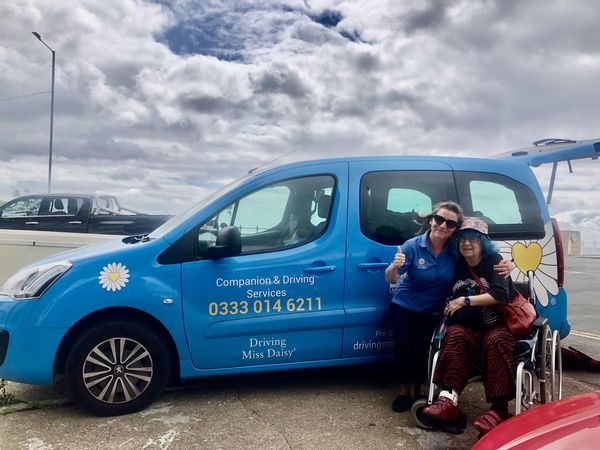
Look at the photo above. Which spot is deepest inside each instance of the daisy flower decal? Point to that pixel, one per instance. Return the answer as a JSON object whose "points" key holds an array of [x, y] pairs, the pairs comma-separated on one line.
{"points": [[113, 277], [537, 256]]}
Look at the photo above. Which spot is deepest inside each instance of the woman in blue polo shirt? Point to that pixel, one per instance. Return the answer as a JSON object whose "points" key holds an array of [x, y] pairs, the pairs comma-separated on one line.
{"points": [[424, 268]]}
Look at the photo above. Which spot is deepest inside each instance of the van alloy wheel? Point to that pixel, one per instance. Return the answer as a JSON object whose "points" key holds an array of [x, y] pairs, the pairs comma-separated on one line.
{"points": [[117, 370], [118, 367]]}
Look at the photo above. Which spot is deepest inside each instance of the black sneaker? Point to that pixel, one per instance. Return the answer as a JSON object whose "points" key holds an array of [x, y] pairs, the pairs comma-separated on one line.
{"points": [[401, 403]]}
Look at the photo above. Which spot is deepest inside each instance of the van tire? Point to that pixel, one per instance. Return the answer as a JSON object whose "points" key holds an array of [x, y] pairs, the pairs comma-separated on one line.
{"points": [[118, 367]]}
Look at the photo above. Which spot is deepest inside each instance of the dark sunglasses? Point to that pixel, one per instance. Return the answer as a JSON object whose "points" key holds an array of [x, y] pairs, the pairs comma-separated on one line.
{"points": [[450, 224]]}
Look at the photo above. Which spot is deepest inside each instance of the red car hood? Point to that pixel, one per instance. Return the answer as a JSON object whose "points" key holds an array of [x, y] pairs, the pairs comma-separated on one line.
{"points": [[571, 423]]}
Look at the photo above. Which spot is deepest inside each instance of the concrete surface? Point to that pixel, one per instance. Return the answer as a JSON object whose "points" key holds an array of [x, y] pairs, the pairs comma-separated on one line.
{"points": [[335, 409]]}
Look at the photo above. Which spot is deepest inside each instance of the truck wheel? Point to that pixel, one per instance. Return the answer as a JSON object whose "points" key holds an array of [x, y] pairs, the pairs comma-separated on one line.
{"points": [[117, 368]]}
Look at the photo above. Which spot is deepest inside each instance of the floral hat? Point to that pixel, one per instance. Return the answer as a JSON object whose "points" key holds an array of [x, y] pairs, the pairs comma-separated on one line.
{"points": [[474, 223]]}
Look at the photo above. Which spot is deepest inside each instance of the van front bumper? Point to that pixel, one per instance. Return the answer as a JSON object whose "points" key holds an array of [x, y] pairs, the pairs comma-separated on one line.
{"points": [[28, 351], [4, 336]]}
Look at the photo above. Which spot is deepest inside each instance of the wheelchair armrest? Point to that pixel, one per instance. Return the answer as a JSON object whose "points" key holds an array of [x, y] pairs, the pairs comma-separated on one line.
{"points": [[526, 344], [539, 322], [438, 337], [524, 347]]}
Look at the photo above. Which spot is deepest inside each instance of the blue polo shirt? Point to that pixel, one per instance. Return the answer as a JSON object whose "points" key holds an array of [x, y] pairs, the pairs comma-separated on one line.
{"points": [[425, 279]]}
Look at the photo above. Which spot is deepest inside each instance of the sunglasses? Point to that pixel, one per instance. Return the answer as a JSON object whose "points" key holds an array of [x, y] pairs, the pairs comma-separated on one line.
{"points": [[450, 224], [472, 240]]}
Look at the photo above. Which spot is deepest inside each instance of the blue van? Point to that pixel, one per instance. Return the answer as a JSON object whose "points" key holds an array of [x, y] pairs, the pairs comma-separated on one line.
{"points": [[281, 270]]}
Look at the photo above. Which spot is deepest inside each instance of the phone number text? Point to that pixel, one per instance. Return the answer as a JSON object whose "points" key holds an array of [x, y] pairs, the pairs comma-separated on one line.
{"points": [[264, 306]]}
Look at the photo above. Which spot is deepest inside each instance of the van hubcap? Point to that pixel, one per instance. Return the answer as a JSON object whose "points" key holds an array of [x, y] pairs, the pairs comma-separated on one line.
{"points": [[117, 370]]}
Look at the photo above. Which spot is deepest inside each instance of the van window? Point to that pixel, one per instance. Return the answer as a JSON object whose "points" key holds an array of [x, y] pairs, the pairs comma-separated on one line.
{"points": [[494, 201], [509, 207], [407, 200], [261, 211], [285, 214], [393, 202]]}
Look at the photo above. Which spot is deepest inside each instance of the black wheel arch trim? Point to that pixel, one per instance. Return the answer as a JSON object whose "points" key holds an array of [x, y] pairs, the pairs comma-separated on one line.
{"points": [[112, 314]]}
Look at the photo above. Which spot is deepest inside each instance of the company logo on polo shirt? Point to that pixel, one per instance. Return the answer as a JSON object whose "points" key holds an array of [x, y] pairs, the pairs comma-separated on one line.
{"points": [[421, 261]]}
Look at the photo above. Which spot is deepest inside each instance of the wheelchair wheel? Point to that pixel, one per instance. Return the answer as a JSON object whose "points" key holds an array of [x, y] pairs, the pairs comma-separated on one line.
{"points": [[556, 364], [545, 365], [416, 410]]}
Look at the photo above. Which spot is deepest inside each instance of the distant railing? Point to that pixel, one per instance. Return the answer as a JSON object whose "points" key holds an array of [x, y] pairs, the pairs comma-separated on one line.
{"points": [[251, 230]]}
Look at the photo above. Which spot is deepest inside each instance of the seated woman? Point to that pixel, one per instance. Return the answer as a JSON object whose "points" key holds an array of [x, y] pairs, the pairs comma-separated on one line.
{"points": [[483, 339]]}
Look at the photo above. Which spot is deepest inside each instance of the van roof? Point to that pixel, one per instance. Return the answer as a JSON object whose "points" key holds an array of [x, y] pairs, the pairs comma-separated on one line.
{"points": [[442, 162], [543, 151]]}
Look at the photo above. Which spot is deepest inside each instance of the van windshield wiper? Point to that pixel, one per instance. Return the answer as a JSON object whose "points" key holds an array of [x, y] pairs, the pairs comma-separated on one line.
{"points": [[137, 238]]}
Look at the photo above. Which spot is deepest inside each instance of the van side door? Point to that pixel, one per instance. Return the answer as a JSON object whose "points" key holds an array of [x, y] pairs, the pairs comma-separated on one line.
{"points": [[386, 203], [281, 300]]}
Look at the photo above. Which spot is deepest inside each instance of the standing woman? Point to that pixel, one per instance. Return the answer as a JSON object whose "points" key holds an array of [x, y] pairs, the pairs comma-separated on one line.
{"points": [[424, 268]]}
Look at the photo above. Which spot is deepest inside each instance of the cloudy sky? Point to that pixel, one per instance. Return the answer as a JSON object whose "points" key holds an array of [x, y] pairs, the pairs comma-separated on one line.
{"points": [[161, 102]]}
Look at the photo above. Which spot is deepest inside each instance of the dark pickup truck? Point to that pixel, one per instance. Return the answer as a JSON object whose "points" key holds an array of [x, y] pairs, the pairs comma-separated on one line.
{"points": [[100, 214]]}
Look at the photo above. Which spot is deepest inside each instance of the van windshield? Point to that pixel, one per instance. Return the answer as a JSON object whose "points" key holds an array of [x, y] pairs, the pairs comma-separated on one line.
{"points": [[180, 218]]}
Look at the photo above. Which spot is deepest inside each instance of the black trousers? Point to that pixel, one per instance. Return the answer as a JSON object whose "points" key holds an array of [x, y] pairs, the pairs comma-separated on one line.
{"points": [[412, 334]]}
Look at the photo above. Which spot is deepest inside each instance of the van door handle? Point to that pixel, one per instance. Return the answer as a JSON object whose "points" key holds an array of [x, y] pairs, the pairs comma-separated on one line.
{"points": [[378, 265], [75, 222], [31, 223], [319, 269]]}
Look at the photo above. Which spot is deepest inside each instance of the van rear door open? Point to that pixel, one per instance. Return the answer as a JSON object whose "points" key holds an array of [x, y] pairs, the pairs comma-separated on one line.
{"points": [[546, 151]]}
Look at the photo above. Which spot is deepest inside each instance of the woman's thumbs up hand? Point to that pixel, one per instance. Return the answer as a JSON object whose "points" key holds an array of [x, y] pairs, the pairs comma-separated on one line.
{"points": [[399, 258]]}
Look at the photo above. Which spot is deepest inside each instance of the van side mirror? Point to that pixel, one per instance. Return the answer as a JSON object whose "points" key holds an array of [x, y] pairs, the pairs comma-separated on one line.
{"points": [[229, 243]]}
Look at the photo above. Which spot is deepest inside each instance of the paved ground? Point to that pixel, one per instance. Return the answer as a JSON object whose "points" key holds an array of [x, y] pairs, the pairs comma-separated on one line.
{"points": [[341, 408]]}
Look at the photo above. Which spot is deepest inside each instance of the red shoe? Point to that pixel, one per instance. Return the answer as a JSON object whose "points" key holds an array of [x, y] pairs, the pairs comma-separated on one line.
{"points": [[486, 422], [445, 415]]}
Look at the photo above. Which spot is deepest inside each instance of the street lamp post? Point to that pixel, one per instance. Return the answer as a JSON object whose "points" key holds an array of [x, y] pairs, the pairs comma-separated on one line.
{"points": [[37, 35]]}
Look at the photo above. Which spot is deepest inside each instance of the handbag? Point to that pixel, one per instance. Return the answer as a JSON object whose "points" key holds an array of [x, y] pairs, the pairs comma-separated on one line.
{"points": [[518, 314]]}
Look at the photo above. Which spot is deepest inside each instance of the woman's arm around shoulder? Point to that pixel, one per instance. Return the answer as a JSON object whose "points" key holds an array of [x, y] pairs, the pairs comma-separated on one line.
{"points": [[500, 286]]}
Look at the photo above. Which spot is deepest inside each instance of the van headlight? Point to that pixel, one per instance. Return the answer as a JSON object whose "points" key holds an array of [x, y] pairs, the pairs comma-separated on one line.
{"points": [[32, 282]]}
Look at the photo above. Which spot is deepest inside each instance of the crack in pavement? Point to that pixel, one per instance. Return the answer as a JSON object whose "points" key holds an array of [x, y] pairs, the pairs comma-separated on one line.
{"points": [[28, 406], [256, 413]]}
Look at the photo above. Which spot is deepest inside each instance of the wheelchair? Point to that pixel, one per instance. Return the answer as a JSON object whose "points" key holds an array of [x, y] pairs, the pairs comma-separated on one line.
{"points": [[537, 357]]}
